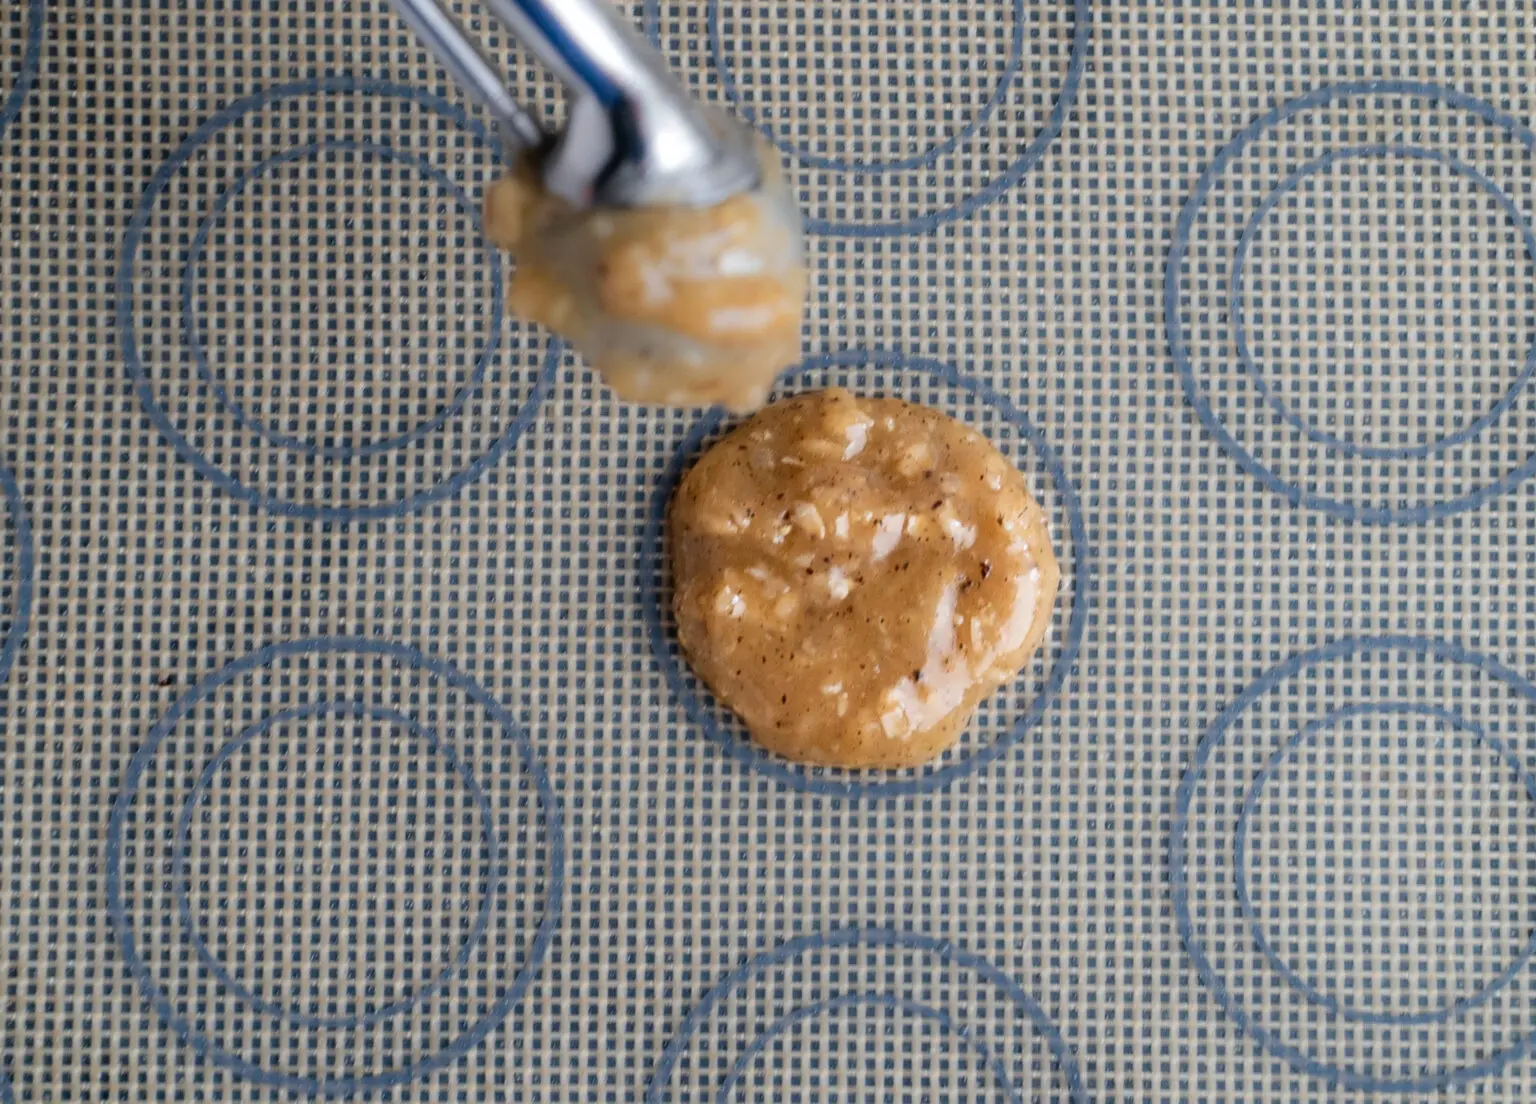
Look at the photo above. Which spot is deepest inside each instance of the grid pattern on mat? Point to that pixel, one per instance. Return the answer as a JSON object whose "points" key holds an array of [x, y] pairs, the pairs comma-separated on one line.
{"points": [[343, 748]]}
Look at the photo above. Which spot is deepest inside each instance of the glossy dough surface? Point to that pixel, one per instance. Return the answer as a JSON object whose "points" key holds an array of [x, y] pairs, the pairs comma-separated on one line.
{"points": [[853, 576], [677, 305]]}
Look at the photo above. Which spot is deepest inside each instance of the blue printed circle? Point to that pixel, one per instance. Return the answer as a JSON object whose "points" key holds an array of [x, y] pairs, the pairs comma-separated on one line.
{"points": [[923, 1014], [1446, 470], [179, 861], [26, 73], [998, 1026], [493, 780], [20, 570], [1048, 482], [1369, 1024], [1312, 732], [1451, 437], [944, 145], [309, 447], [947, 149], [335, 480]]}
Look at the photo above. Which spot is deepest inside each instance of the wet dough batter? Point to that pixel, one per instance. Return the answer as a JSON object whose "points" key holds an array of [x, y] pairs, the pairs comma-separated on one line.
{"points": [[678, 305], [853, 577]]}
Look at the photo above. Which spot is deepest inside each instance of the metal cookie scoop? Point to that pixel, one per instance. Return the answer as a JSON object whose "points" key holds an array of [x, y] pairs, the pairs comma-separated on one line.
{"points": [[634, 138]]}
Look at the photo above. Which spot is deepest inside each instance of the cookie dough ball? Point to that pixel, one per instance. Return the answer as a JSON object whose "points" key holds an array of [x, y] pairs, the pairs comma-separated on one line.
{"points": [[686, 306], [853, 577]]}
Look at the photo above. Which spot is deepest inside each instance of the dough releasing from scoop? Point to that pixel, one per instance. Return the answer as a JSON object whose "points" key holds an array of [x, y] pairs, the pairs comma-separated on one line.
{"points": [[686, 306], [854, 575]]}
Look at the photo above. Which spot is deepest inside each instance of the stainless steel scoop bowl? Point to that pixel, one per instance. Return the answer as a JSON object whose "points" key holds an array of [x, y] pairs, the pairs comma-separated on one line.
{"points": [[633, 136]]}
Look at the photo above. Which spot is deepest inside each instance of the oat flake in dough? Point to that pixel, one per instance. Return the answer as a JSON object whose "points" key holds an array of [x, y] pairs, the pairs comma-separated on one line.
{"points": [[853, 577]]}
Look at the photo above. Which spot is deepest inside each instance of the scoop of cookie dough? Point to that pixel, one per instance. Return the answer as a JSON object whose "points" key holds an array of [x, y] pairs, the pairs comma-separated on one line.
{"points": [[686, 306], [854, 575]]}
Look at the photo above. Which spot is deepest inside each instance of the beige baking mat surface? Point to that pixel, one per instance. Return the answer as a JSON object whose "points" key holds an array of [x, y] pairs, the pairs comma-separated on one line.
{"points": [[344, 743]]}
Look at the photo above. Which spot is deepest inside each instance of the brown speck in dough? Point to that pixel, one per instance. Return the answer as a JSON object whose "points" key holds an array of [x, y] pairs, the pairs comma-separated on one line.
{"points": [[919, 638]]}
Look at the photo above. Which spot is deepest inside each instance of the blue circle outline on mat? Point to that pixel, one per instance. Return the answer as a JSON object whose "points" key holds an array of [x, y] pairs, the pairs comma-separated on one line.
{"points": [[1240, 865], [943, 949], [180, 876], [1179, 879], [31, 60], [1240, 326], [24, 564], [743, 750], [1295, 493], [144, 386], [194, 336], [537, 948], [920, 160], [1032, 154], [876, 1000]]}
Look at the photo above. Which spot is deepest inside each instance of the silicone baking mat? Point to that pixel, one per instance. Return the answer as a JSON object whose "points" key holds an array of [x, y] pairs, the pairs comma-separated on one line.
{"points": [[344, 743]]}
